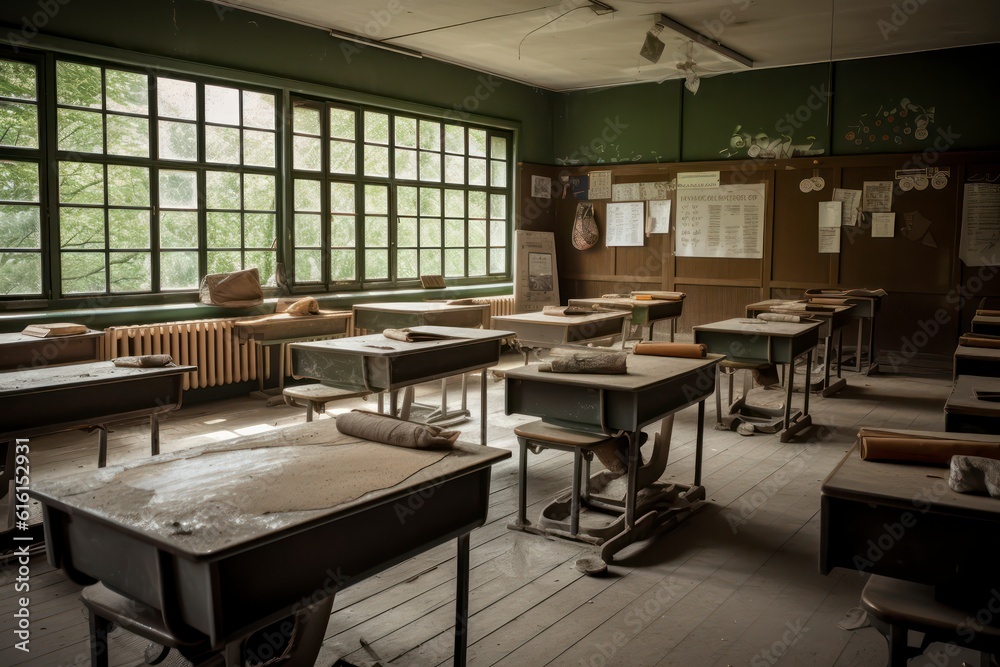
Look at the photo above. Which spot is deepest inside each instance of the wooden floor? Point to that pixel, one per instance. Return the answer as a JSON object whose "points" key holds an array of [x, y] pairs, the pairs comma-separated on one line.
{"points": [[738, 584]]}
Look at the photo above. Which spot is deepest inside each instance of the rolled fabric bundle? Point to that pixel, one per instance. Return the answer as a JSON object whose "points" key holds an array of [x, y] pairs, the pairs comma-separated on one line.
{"points": [[975, 474], [563, 311], [689, 350], [397, 432], [615, 296], [979, 340], [778, 317], [930, 451], [608, 363], [144, 361], [659, 294], [988, 313], [304, 306]]}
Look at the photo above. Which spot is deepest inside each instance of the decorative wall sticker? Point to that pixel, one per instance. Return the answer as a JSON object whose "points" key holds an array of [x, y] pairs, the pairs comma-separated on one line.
{"points": [[890, 123], [762, 145]]}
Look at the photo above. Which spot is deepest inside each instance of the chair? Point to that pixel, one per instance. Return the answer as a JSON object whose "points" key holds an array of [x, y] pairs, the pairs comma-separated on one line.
{"points": [[314, 397]]}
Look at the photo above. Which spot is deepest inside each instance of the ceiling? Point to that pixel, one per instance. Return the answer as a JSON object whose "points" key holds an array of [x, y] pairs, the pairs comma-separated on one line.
{"points": [[577, 44]]}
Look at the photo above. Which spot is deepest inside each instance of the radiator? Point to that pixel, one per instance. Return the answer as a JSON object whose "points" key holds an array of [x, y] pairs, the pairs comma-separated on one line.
{"points": [[500, 305], [211, 345]]}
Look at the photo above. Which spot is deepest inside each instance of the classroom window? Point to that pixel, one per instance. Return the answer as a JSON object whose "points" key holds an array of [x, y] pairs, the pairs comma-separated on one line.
{"points": [[425, 196]]}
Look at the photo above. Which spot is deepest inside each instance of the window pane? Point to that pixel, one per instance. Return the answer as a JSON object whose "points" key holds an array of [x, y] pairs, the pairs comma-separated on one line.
{"points": [[454, 203], [258, 110], [454, 233], [78, 85], [222, 144], [454, 169], [222, 189], [21, 273], [127, 91], [17, 80], [430, 135], [225, 262], [178, 141], [308, 266], [83, 272], [376, 161], [498, 174], [178, 229], [376, 232], [222, 105], [178, 189], [306, 153], [430, 166], [130, 272], [178, 270], [477, 204], [258, 229], [128, 186], [307, 195], [305, 120], [430, 232], [406, 233], [477, 171], [430, 262], [128, 228], [454, 262], [407, 265], [176, 99], [477, 262], [258, 192], [498, 206], [81, 183], [477, 142], [264, 260], [18, 124], [342, 197], [376, 199], [454, 139], [406, 201], [258, 148], [343, 157], [80, 131], [406, 164], [498, 260], [430, 201], [498, 148], [308, 230], [128, 135], [223, 229], [376, 127], [498, 232], [342, 231], [342, 124], [20, 227], [376, 264], [342, 265], [19, 181], [406, 132], [477, 233]]}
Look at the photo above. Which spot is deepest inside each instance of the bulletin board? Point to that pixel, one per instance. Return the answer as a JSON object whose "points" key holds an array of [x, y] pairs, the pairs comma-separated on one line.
{"points": [[536, 283]]}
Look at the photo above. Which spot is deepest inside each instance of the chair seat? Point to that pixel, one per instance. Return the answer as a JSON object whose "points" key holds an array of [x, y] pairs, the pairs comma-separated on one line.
{"points": [[138, 619], [321, 393], [543, 433]]}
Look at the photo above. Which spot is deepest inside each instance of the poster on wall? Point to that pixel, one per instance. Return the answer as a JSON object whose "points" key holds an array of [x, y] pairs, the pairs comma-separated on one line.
{"points": [[541, 187], [624, 224], [600, 185], [658, 217], [980, 240], [877, 197], [537, 278], [829, 226], [727, 221]]}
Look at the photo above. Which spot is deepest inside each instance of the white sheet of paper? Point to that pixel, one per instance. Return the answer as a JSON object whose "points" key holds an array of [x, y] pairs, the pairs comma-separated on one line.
{"points": [[979, 244], [850, 199], [626, 192], [829, 226], [658, 217], [877, 196], [624, 224], [727, 221], [541, 187], [600, 185], [883, 225]]}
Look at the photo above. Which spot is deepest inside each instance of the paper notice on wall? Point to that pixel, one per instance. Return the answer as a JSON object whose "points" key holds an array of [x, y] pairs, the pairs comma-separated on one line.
{"points": [[980, 240], [600, 185], [877, 197], [654, 190], [658, 217], [850, 204], [624, 222], [698, 179], [883, 225], [537, 280], [727, 221], [626, 192], [541, 187], [829, 226]]}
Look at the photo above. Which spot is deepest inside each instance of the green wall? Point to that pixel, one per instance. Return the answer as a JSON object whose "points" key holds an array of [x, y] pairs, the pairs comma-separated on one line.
{"points": [[203, 32]]}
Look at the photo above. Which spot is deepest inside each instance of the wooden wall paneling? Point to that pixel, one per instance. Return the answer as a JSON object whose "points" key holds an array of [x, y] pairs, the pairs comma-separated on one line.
{"points": [[532, 213], [795, 255], [711, 303]]}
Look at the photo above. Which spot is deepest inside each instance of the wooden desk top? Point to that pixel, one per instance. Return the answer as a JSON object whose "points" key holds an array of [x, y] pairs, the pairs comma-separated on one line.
{"points": [[47, 378], [645, 371], [744, 326], [560, 320], [21, 339], [963, 401], [207, 502], [984, 353], [419, 307], [377, 345]]}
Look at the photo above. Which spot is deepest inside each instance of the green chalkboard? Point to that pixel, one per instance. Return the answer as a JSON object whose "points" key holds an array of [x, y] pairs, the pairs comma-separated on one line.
{"points": [[767, 114], [639, 123], [936, 100]]}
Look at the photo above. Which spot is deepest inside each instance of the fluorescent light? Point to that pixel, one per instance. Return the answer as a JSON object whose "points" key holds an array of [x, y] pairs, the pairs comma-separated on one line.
{"points": [[707, 42], [364, 41]]}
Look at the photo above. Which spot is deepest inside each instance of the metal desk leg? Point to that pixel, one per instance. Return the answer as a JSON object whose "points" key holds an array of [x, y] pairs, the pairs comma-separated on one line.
{"points": [[482, 405], [860, 345], [462, 601], [154, 434], [260, 367], [831, 389], [805, 400], [522, 483], [673, 329], [872, 354], [789, 381], [102, 446], [699, 442], [633, 476], [393, 402]]}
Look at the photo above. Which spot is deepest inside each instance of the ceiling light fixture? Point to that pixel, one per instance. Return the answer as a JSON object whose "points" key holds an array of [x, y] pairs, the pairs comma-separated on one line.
{"points": [[364, 41], [695, 36]]}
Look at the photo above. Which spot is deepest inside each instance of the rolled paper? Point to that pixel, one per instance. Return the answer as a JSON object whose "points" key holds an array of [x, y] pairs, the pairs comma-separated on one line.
{"points": [[988, 313], [562, 311], [975, 340], [643, 297], [658, 294], [144, 361], [928, 451], [615, 296], [689, 350], [397, 432], [607, 363], [778, 317]]}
